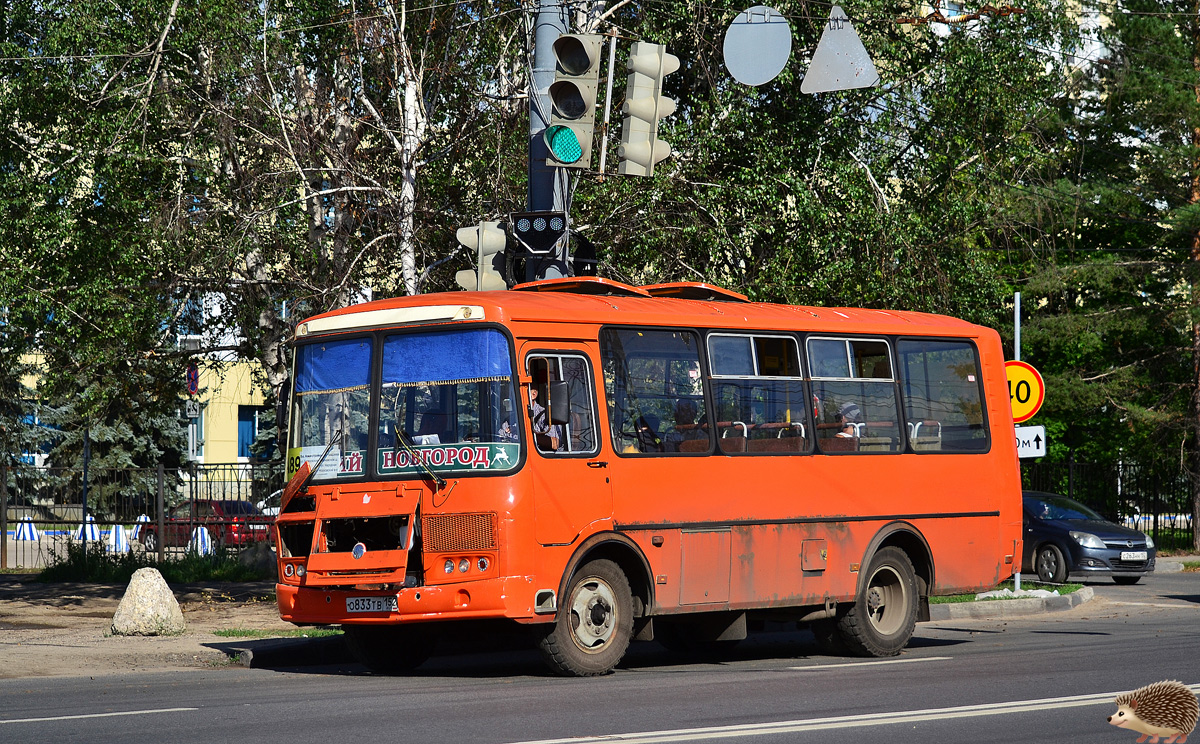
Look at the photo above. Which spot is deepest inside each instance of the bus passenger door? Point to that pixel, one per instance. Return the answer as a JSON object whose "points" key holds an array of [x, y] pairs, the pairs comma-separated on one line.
{"points": [[570, 478]]}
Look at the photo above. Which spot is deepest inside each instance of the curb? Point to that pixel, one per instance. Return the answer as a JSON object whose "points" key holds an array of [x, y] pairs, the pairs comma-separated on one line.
{"points": [[281, 653], [1009, 607]]}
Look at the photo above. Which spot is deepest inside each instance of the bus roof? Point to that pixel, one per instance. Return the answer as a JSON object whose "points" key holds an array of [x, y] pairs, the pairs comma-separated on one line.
{"points": [[588, 300]]}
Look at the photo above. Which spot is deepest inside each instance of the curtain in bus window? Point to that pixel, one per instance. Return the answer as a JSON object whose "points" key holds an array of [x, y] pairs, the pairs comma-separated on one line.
{"points": [[943, 398], [333, 365], [446, 357]]}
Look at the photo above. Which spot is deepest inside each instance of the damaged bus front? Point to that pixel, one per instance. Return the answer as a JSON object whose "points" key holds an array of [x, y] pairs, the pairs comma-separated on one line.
{"points": [[385, 427]]}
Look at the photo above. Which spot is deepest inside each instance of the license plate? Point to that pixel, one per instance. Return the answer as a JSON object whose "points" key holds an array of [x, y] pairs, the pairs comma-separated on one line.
{"points": [[1134, 555], [371, 604]]}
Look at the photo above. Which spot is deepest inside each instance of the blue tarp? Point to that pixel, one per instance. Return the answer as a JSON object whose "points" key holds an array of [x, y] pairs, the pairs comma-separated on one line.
{"points": [[443, 357], [334, 365]]}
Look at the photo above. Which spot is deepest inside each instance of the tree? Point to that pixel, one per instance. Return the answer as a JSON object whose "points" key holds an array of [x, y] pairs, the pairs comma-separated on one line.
{"points": [[1107, 243], [256, 156]]}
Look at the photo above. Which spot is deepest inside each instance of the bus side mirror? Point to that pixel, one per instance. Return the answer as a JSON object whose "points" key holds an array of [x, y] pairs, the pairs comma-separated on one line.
{"points": [[560, 403], [281, 407]]}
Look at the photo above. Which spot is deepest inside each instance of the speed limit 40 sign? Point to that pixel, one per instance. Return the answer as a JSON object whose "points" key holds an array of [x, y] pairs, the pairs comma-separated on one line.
{"points": [[1026, 391]]}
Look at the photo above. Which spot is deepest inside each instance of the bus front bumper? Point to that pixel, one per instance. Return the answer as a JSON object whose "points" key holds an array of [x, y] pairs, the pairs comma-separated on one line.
{"points": [[507, 597]]}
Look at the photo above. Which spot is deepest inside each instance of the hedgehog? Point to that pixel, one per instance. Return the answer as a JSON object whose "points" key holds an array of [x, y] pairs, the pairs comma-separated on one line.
{"points": [[1167, 709]]}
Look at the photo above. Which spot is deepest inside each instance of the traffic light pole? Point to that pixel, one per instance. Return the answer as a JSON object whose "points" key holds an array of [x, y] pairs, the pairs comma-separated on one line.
{"points": [[546, 189]]}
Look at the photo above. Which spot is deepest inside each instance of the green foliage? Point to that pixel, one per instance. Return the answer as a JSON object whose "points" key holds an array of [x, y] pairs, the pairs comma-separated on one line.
{"points": [[878, 197], [1099, 242], [95, 565]]}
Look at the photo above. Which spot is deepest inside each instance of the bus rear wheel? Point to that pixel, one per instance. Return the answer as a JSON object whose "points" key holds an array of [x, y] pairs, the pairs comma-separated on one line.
{"points": [[594, 623], [884, 614], [390, 649]]}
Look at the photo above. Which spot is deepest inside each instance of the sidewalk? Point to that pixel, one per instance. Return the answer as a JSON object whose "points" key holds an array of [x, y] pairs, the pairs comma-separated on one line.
{"points": [[1037, 605]]}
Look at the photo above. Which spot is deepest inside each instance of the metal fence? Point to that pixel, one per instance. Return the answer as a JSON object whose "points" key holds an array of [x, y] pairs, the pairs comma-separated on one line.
{"points": [[43, 510], [1154, 499]]}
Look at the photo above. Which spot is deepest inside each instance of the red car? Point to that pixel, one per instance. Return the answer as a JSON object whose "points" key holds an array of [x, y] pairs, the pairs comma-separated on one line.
{"points": [[230, 524]]}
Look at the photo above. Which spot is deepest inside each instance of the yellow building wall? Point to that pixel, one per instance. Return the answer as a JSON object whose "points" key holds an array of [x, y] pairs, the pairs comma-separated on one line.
{"points": [[223, 387]]}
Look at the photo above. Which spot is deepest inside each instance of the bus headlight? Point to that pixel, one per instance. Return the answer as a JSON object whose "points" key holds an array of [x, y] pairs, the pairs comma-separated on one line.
{"points": [[449, 567], [289, 570], [483, 564], [464, 565]]}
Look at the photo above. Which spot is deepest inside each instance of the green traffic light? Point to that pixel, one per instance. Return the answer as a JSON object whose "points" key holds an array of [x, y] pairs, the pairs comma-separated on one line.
{"points": [[563, 144]]}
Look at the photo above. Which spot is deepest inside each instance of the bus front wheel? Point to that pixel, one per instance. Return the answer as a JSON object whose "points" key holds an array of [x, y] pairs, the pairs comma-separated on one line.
{"points": [[594, 623], [389, 649], [884, 614]]}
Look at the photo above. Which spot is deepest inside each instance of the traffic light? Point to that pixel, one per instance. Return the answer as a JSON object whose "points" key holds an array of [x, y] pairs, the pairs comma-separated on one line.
{"points": [[644, 105], [573, 96], [539, 232], [488, 240]]}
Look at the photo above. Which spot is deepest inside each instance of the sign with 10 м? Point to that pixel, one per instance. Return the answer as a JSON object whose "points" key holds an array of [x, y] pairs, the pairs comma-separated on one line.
{"points": [[1026, 391], [1031, 441]]}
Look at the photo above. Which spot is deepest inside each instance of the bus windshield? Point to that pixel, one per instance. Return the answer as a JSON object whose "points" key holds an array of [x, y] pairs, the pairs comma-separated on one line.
{"points": [[446, 402], [447, 388]]}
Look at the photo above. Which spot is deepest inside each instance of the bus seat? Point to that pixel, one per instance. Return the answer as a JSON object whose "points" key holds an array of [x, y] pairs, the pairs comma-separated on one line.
{"points": [[875, 444], [839, 444], [733, 444], [693, 445], [926, 444], [776, 444]]}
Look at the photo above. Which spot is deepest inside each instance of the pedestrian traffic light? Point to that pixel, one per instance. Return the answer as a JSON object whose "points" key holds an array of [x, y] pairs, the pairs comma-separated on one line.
{"points": [[573, 97], [488, 240], [540, 232], [644, 106]]}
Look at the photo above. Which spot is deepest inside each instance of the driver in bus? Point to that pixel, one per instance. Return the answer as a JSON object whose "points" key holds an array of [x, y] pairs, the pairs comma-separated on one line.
{"points": [[547, 437]]}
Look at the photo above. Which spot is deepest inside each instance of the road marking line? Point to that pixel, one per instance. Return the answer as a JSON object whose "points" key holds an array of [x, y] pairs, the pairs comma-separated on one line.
{"points": [[97, 715], [852, 664], [819, 724]]}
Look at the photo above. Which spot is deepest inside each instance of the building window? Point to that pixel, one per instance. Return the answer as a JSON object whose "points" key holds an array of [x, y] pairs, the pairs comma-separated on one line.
{"points": [[251, 421]]}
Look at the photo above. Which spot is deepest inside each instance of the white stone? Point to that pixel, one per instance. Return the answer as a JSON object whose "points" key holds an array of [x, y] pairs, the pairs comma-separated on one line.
{"points": [[148, 607]]}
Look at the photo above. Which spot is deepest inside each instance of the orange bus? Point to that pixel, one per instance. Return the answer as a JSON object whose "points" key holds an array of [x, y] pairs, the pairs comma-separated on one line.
{"points": [[607, 463]]}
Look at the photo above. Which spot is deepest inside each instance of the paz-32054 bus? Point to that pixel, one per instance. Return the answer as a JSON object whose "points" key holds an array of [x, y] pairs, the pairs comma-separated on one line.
{"points": [[608, 463]]}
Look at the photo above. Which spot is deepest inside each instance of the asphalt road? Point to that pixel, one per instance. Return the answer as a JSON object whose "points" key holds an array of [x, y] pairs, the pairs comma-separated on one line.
{"points": [[1049, 678]]}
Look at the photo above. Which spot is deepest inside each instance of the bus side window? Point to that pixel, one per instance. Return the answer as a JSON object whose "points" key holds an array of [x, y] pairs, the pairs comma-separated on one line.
{"points": [[576, 433], [943, 399], [854, 395], [761, 404], [653, 386]]}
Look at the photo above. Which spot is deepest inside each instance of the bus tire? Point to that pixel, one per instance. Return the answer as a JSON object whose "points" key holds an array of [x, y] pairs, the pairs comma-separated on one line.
{"points": [[594, 623], [390, 649], [884, 614]]}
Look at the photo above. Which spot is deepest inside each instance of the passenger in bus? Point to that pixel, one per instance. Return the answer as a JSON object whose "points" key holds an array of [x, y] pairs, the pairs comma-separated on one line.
{"points": [[547, 437], [685, 425], [647, 433], [847, 416]]}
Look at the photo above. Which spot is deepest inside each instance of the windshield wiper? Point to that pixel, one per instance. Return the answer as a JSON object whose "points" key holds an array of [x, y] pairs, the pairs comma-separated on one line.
{"points": [[402, 437], [290, 491], [337, 437]]}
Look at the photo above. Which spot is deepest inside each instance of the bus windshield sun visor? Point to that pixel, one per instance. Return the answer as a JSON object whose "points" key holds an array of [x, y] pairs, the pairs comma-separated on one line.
{"points": [[446, 357]]}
